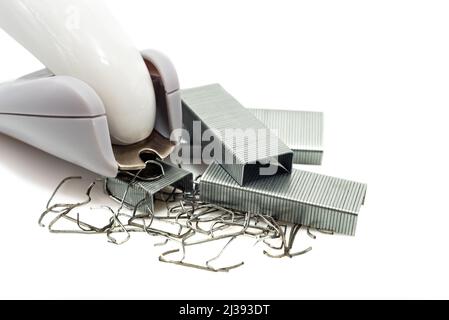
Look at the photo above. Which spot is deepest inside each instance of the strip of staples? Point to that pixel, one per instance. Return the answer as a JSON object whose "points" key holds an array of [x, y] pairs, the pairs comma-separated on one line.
{"points": [[306, 198], [302, 131], [140, 190], [215, 109]]}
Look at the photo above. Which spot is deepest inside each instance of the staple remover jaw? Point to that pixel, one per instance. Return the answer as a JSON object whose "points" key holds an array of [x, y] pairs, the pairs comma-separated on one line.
{"points": [[65, 117], [133, 157], [163, 140]]}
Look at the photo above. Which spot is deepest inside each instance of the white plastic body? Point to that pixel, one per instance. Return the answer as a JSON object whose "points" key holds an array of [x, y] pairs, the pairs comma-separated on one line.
{"points": [[62, 116], [65, 117], [80, 38]]}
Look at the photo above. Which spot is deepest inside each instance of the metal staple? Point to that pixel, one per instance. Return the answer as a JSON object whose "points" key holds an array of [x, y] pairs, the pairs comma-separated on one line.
{"points": [[198, 223]]}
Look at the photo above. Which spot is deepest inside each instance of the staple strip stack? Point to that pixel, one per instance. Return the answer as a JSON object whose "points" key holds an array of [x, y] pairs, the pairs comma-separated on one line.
{"points": [[140, 190], [303, 197], [302, 131], [218, 111], [300, 197]]}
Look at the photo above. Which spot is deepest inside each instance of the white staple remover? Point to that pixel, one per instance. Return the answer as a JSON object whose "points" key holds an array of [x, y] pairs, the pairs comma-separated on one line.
{"points": [[100, 103]]}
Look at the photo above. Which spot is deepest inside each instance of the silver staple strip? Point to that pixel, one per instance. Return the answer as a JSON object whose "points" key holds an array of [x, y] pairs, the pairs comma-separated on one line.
{"points": [[139, 190], [306, 198], [218, 111], [302, 131]]}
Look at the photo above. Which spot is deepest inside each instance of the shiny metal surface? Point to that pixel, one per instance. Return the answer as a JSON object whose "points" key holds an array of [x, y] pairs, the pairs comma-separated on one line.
{"points": [[129, 158], [219, 112], [139, 190], [306, 198], [302, 131]]}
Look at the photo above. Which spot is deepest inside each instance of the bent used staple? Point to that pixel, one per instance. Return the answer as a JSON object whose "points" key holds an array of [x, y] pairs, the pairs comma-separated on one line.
{"points": [[217, 111], [305, 198], [302, 131]]}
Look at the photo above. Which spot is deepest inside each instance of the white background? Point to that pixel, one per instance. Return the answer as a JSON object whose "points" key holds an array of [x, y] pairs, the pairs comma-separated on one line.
{"points": [[380, 72]]}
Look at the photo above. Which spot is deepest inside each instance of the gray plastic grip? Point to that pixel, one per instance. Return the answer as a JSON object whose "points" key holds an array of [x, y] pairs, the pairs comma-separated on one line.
{"points": [[169, 112], [59, 96], [62, 116]]}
